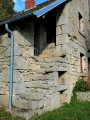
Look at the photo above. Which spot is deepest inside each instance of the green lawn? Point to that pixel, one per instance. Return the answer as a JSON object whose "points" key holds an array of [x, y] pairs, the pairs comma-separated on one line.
{"points": [[73, 111]]}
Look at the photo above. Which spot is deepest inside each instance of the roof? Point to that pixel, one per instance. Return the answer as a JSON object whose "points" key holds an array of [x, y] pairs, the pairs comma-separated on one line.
{"points": [[37, 11]]}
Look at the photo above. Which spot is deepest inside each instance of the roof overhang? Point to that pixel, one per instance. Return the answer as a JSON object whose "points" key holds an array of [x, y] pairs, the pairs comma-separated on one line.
{"points": [[17, 18], [46, 9], [37, 13]]}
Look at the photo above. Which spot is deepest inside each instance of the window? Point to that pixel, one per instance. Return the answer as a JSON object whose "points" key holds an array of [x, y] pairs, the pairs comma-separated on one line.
{"points": [[81, 23], [81, 62], [89, 65]]}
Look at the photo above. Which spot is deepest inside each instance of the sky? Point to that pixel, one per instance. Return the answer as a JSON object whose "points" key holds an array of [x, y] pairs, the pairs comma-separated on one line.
{"points": [[19, 4]]}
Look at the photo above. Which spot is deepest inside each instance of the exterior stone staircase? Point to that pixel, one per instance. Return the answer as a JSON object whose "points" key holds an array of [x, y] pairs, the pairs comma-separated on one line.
{"points": [[32, 104], [48, 51], [44, 85]]}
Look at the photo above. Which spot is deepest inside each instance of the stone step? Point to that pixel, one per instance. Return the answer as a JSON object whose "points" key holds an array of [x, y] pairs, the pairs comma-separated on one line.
{"points": [[50, 46], [60, 69], [60, 88], [24, 113], [31, 105], [32, 96], [48, 51]]}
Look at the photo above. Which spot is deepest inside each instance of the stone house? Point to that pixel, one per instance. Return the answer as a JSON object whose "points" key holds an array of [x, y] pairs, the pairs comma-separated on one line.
{"points": [[51, 52]]}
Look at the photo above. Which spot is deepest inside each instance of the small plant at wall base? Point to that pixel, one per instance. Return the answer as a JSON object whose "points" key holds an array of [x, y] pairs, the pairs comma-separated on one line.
{"points": [[80, 86]]}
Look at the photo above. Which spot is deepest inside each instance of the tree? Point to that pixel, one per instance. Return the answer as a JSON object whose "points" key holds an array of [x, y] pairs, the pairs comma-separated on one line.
{"points": [[6, 8]]}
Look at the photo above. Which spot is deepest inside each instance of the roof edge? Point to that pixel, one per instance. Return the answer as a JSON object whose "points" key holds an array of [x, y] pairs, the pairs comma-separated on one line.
{"points": [[17, 18], [37, 13], [49, 7]]}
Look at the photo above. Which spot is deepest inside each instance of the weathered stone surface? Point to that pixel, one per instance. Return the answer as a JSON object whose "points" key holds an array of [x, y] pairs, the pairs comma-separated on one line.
{"points": [[7, 52], [28, 105], [32, 96], [24, 52], [62, 39], [4, 100], [20, 63], [60, 88], [6, 42], [5, 76], [18, 37], [64, 98], [58, 30], [19, 88], [27, 114], [83, 96], [64, 19], [66, 29], [17, 50], [53, 69], [55, 59], [27, 78], [17, 77], [30, 52]]}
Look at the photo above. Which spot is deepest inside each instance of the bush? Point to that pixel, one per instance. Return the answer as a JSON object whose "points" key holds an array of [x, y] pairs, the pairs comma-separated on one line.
{"points": [[80, 86]]}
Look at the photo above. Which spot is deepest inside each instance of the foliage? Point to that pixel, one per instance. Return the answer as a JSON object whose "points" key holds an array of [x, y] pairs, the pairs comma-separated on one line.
{"points": [[80, 86], [75, 111], [6, 8]]}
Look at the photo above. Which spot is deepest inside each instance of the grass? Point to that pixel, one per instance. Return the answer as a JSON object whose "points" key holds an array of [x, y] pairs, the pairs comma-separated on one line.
{"points": [[73, 111]]}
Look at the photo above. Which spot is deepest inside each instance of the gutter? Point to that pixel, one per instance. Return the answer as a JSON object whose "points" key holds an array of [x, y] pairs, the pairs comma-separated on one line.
{"points": [[17, 18], [37, 13], [11, 66]]}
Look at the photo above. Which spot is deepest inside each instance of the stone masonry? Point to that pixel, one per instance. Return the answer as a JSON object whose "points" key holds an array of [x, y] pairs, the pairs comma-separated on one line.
{"points": [[44, 82], [83, 96]]}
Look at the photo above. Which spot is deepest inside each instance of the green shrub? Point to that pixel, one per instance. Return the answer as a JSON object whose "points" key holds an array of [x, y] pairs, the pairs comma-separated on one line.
{"points": [[80, 86]]}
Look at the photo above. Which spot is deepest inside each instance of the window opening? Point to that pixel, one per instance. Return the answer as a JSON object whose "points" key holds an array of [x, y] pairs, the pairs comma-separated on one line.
{"points": [[81, 62], [81, 23], [80, 19], [88, 64]]}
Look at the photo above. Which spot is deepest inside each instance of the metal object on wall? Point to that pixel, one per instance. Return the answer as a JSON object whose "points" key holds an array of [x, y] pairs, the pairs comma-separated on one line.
{"points": [[11, 65]]}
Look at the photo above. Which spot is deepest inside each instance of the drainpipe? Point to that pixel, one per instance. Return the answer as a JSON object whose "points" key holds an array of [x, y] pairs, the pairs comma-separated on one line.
{"points": [[11, 65]]}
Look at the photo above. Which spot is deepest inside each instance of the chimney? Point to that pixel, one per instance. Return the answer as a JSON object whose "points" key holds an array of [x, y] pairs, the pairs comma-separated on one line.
{"points": [[29, 4]]}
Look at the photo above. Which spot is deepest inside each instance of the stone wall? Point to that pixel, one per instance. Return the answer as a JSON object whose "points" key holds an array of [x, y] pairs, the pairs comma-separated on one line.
{"points": [[83, 96], [36, 80], [44, 82], [72, 41]]}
